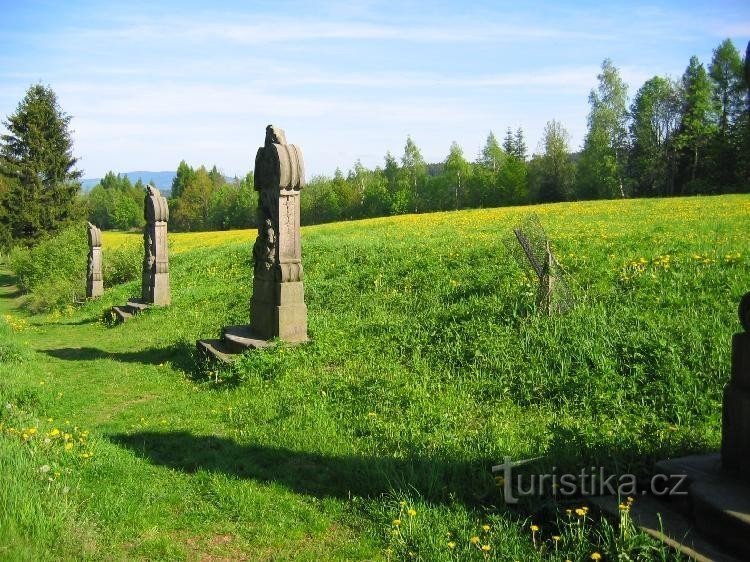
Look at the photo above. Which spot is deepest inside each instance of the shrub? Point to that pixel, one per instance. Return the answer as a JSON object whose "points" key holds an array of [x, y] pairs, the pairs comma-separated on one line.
{"points": [[122, 264], [53, 271]]}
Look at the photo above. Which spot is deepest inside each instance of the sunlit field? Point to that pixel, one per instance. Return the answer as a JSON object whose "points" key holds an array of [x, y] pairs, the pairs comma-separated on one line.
{"points": [[428, 364]]}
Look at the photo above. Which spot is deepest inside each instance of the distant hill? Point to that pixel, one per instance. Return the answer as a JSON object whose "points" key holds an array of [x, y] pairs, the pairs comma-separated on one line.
{"points": [[162, 180]]}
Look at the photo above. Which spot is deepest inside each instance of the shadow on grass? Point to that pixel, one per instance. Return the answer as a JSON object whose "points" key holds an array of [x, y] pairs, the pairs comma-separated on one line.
{"points": [[12, 294], [92, 320], [180, 355], [314, 473]]}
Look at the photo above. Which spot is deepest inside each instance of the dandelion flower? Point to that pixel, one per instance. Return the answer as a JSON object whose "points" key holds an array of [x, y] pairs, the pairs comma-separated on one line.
{"points": [[556, 538], [451, 545], [68, 446], [411, 512], [534, 528], [485, 528], [474, 540], [596, 556], [486, 547]]}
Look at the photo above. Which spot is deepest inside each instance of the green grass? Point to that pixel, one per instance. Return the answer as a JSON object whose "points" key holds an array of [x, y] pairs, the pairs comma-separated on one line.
{"points": [[427, 365]]}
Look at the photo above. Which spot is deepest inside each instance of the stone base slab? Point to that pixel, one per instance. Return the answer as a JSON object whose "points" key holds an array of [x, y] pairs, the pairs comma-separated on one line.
{"points": [[126, 312], [717, 504], [234, 341]]}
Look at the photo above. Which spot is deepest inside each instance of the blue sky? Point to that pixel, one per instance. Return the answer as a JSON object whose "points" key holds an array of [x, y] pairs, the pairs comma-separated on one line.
{"points": [[149, 84]]}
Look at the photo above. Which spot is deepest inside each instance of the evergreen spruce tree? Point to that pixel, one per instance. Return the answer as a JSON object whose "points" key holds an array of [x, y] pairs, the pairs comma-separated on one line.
{"points": [[36, 158]]}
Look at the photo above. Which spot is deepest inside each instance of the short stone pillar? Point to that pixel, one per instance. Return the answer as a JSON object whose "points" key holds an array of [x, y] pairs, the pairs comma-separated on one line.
{"points": [[735, 436], [94, 279], [155, 283], [277, 309]]}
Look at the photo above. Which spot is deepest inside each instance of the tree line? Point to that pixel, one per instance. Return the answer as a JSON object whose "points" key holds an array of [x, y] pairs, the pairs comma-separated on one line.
{"points": [[675, 137]]}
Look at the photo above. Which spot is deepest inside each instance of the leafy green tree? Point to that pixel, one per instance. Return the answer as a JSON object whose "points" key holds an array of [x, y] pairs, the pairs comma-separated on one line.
{"points": [[512, 182], [36, 155], [457, 169], [192, 207], [655, 118], [376, 201], [185, 174], [553, 172], [743, 129], [602, 164], [697, 127], [492, 154], [217, 178], [414, 170], [726, 74], [726, 71], [126, 213]]}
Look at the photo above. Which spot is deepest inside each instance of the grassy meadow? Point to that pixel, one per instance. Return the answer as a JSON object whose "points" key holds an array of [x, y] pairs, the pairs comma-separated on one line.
{"points": [[428, 364]]}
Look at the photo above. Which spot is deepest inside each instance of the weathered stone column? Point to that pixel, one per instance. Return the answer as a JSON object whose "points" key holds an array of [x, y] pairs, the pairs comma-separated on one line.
{"points": [[155, 284], [277, 309], [735, 436], [94, 279]]}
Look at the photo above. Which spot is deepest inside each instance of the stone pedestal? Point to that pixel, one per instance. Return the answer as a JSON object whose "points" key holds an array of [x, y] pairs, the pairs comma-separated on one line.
{"points": [[155, 276], [735, 436], [94, 279], [277, 307]]}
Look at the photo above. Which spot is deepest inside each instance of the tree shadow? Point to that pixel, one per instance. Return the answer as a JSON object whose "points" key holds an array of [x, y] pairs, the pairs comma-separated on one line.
{"points": [[179, 355], [12, 294], [7, 280], [318, 474], [91, 320]]}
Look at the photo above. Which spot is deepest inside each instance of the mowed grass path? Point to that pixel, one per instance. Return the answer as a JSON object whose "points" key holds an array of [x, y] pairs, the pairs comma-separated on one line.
{"points": [[427, 366]]}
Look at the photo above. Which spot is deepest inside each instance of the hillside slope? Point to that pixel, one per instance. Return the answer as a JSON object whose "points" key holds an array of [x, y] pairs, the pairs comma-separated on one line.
{"points": [[428, 364]]}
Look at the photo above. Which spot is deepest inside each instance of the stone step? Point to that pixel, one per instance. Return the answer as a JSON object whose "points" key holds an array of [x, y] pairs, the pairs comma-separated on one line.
{"points": [[136, 306], [121, 315], [215, 349], [672, 527], [240, 338], [717, 503]]}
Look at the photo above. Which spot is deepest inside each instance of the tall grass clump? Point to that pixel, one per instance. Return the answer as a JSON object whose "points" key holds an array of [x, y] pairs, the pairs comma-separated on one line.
{"points": [[54, 271]]}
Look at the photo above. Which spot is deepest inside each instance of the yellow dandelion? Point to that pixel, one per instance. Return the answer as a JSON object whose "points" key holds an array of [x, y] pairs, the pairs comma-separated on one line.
{"points": [[474, 540], [580, 512], [451, 545], [556, 538], [534, 528], [68, 446], [396, 522], [486, 547], [485, 528], [411, 512], [596, 556]]}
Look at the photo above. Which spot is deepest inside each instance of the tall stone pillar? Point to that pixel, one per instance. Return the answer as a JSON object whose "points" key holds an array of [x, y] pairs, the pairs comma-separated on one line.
{"points": [[94, 279], [735, 436], [155, 284], [277, 309]]}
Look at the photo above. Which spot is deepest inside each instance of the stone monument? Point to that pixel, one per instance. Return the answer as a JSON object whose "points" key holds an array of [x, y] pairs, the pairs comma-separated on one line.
{"points": [[277, 308], [155, 285], [94, 279], [155, 276]]}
